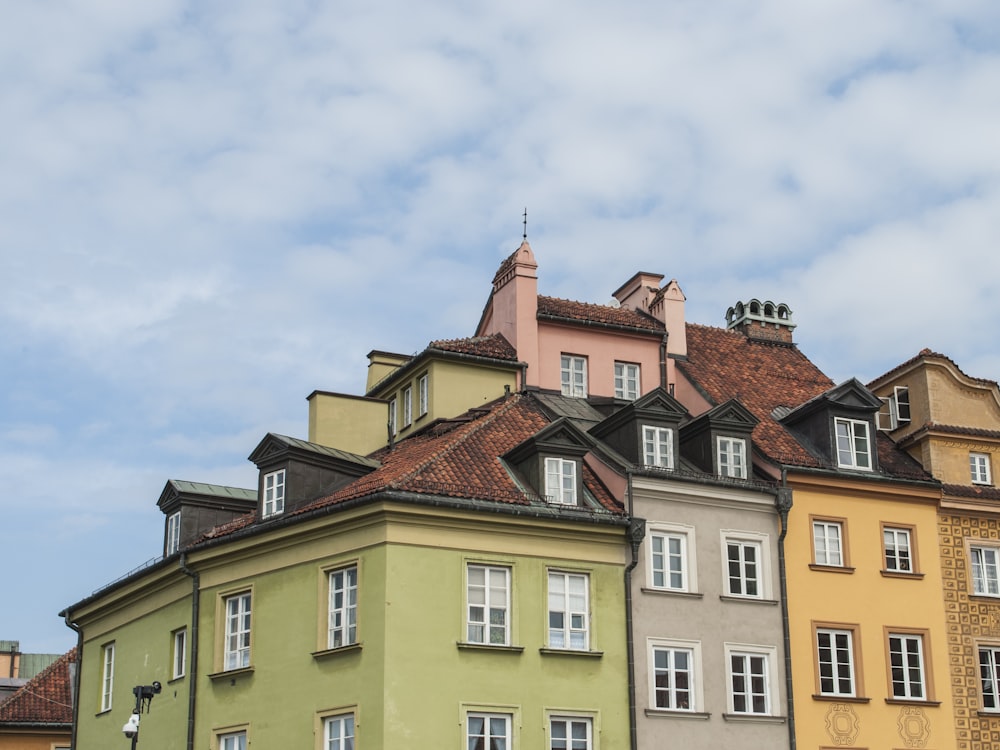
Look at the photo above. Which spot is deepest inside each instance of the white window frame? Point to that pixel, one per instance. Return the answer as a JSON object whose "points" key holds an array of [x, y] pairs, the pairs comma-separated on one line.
{"points": [[561, 481], [422, 395], [568, 617], [731, 453], [486, 736], [107, 676], [627, 385], [573, 375], [984, 562], [407, 406], [173, 532], [664, 680], [486, 599], [979, 468], [563, 734], [338, 732], [853, 444], [657, 446], [392, 416], [274, 494], [748, 691], [907, 669], [897, 549], [989, 677], [342, 612], [684, 552], [901, 405], [178, 654], [840, 669], [238, 612], [233, 741], [828, 549], [751, 577]]}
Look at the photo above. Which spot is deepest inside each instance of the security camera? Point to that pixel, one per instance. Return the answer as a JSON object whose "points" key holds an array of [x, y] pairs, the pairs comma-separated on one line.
{"points": [[131, 728]]}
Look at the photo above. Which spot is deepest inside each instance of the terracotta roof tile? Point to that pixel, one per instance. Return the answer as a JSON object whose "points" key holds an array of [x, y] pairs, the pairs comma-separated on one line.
{"points": [[929, 353], [965, 490], [957, 430], [553, 307], [494, 346], [44, 699]]}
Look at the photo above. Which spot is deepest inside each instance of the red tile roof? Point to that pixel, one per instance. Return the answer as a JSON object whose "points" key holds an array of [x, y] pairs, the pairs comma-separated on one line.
{"points": [[46, 699], [979, 493], [553, 307], [494, 346], [928, 353]]}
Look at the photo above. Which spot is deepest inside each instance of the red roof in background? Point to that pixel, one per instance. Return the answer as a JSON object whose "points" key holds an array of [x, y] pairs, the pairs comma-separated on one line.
{"points": [[589, 312], [47, 698], [494, 346]]}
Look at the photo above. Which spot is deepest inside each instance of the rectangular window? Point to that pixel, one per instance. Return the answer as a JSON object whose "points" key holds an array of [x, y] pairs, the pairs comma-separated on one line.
{"points": [[989, 677], [570, 733], [422, 394], [173, 532], [828, 543], [853, 445], [560, 481], [338, 732], [901, 401], [343, 620], [658, 447], [906, 666], [668, 560], [569, 610], [985, 580], [743, 568], [835, 657], [233, 741], [488, 598], [897, 548], [749, 680], [236, 654], [107, 676], [179, 653], [732, 457], [979, 468], [573, 376], [488, 731], [407, 406], [392, 417], [626, 381], [274, 493], [673, 678]]}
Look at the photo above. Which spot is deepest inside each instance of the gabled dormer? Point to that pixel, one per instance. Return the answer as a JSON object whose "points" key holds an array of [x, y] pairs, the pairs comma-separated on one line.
{"points": [[839, 426], [551, 463], [719, 441], [294, 472], [192, 508], [645, 431]]}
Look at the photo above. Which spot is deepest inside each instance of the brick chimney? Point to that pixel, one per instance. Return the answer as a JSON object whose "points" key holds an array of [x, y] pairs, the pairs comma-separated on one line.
{"points": [[764, 321], [513, 306]]}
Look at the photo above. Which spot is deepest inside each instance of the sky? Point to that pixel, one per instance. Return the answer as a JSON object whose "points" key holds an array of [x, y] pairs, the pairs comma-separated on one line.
{"points": [[209, 210]]}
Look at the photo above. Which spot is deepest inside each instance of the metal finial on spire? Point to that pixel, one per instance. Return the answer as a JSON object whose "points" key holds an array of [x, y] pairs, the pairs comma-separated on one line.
{"points": [[525, 235]]}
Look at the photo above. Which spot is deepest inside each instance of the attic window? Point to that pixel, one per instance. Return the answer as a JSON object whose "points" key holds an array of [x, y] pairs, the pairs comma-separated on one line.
{"points": [[732, 457], [895, 411], [274, 494], [560, 481], [173, 532], [853, 444], [658, 447]]}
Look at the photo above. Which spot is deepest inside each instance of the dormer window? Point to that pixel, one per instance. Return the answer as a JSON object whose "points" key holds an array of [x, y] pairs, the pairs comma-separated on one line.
{"points": [[392, 416], [560, 481], [732, 457], [173, 532], [573, 375], [407, 406], [979, 468], [658, 447], [853, 444], [274, 494]]}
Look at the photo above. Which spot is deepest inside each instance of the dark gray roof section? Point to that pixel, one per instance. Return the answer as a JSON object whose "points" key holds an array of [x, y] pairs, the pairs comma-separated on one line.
{"points": [[578, 410], [212, 490], [323, 450]]}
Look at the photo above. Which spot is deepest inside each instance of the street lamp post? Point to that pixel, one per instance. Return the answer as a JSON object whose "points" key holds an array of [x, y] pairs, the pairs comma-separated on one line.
{"points": [[143, 697]]}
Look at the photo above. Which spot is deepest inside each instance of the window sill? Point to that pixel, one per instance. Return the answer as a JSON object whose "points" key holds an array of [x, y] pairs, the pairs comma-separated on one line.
{"points": [[988, 713], [672, 592], [911, 702], [470, 646], [570, 652], [666, 713], [901, 574], [230, 674], [326, 653], [756, 718], [840, 698], [178, 678], [984, 597], [830, 568], [747, 600]]}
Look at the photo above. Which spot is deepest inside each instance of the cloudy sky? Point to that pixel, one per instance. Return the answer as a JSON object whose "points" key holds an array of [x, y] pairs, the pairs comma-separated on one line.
{"points": [[208, 210]]}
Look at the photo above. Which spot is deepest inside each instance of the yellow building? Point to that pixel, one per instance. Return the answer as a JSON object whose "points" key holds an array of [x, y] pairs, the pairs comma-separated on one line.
{"points": [[950, 422]]}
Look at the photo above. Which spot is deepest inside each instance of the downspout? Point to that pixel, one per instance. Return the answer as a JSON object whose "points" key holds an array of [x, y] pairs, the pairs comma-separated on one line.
{"points": [[76, 677], [783, 503], [195, 613], [663, 362], [636, 532]]}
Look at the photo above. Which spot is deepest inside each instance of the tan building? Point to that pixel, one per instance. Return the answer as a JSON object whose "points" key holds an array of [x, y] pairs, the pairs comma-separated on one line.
{"points": [[39, 716]]}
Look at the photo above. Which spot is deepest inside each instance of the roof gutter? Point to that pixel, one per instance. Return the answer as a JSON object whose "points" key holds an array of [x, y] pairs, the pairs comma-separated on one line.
{"points": [[195, 616]]}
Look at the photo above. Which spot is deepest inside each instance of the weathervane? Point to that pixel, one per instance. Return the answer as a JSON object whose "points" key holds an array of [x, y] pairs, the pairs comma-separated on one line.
{"points": [[525, 235]]}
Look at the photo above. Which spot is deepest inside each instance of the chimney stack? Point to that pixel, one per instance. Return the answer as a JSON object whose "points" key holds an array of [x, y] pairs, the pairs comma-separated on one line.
{"points": [[764, 321]]}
